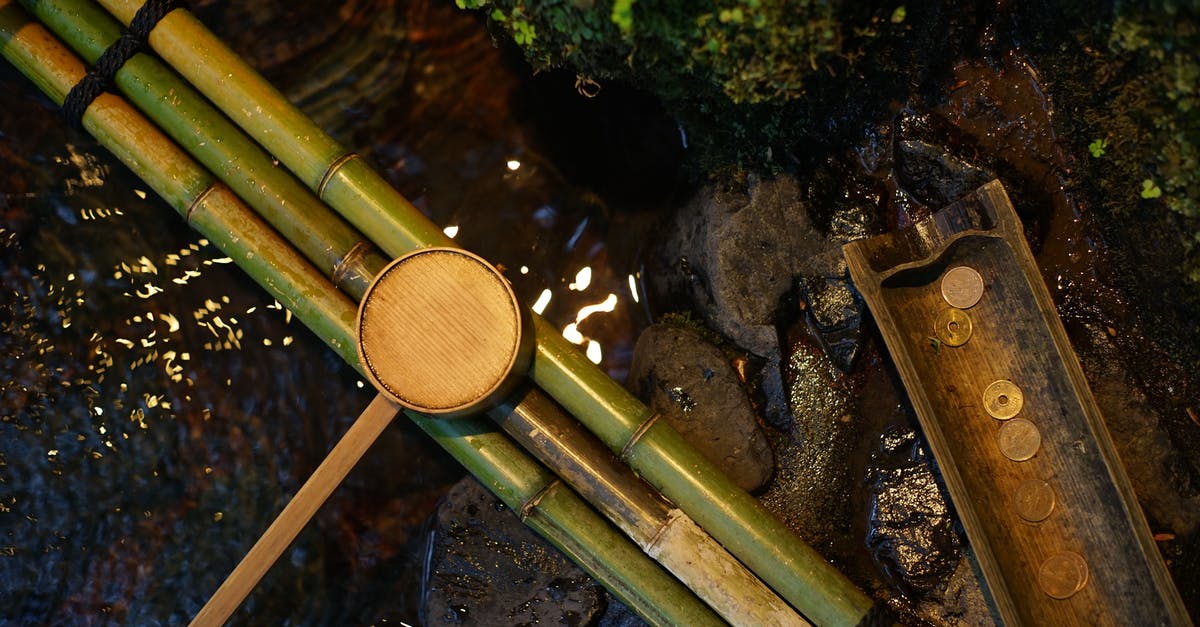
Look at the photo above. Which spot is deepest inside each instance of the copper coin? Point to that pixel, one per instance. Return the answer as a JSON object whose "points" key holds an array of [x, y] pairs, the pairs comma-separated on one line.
{"points": [[1062, 575], [1003, 399], [962, 287], [1034, 500], [953, 327], [1019, 439]]}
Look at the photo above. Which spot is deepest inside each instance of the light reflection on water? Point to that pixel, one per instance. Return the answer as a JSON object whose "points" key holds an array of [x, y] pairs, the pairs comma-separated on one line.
{"points": [[158, 408]]}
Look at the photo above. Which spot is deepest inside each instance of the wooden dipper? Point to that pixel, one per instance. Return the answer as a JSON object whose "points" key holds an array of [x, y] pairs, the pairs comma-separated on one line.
{"points": [[440, 331]]}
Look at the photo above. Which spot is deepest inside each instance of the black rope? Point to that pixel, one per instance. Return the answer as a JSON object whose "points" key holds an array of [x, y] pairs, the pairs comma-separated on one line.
{"points": [[131, 42], [878, 616]]}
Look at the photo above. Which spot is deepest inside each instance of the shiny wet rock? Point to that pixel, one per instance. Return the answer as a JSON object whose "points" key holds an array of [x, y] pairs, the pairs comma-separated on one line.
{"points": [[484, 567], [691, 383], [911, 530]]}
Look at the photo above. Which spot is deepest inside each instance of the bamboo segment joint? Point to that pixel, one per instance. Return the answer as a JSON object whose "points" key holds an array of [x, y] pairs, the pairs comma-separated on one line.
{"points": [[637, 435], [333, 169], [344, 265], [528, 506], [199, 201]]}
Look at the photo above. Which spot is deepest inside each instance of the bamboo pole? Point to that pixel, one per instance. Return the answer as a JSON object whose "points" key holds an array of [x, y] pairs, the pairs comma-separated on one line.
{"points": [[211, 208], [624, 424], [321, 235], [668, 535], [663, 531]]}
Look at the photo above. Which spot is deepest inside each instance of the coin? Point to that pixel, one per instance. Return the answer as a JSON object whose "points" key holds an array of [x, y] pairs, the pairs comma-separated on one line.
{"points": [[1034, 500], [1003, 399], [1019, 439], [1063, 574], [953, 327], [962, 287]]}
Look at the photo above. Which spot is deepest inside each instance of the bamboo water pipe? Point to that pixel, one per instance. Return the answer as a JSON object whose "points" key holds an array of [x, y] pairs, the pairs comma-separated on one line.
{"points": [[217, 213], [671, 537], [651, 447]]}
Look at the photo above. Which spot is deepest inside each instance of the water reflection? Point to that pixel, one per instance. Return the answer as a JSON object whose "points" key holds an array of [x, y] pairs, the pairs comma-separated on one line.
{"points": [[158, 408]]}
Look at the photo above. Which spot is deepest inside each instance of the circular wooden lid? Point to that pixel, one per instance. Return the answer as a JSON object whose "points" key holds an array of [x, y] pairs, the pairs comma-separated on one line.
{"points": [[441, 332]]}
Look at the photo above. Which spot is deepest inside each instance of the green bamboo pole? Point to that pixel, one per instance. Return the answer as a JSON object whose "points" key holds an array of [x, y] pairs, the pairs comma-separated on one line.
{"points": [[652, 448], [322, 236], [211, 208], [668, 535]]}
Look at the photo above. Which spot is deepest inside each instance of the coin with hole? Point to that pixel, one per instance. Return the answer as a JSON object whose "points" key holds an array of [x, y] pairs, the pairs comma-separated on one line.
{"points": [[1063, 574], [953, 327], [962, 287], [1034, 500], [1019, 439], [1003, 399]]}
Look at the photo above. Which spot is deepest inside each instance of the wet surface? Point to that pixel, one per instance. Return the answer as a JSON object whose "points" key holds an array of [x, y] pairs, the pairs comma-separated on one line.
{"points": [[158, 410], [483, 567]]}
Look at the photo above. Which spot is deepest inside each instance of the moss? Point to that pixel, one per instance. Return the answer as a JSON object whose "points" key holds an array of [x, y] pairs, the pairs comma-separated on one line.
{"points": [[748, 80], [1154, 117]]}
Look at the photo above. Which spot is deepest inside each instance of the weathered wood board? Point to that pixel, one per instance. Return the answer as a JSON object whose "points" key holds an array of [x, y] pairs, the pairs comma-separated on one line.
{"points": [[1059, 535]]}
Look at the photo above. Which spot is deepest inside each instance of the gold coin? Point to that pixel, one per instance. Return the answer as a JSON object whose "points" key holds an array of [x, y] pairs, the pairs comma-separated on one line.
{"points": [[1003, 399], [1019, 439], [1034, 500], [953, 327], [962, 287], [1062, 575]]}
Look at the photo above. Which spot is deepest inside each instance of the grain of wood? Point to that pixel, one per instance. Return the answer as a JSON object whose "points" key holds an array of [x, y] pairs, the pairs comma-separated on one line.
{"points": [[440, 332], [1019, 337]]}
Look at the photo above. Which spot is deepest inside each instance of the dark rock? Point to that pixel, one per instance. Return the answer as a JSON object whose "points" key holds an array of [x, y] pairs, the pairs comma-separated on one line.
{"points": [[813, 484], [933, 175], [737, 257], [485, 568], [911, 529], [1156, 468], [836, 311], [690, 381], [736, 254]]}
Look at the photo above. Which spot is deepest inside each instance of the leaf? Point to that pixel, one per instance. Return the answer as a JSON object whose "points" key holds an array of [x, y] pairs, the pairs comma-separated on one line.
{"points": [[1150, 189]]}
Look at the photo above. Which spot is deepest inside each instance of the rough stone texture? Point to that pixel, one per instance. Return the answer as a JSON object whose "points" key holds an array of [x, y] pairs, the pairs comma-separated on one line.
{"points": [[933, 175], [690, 381], [812, 489], [1157, 470], [836, 311], [736, 256], [911, 529], [485, 568], [738, 253]]}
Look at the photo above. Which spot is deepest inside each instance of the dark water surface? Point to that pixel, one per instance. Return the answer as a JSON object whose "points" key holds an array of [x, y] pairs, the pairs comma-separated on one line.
{"points": [[157, 409]]}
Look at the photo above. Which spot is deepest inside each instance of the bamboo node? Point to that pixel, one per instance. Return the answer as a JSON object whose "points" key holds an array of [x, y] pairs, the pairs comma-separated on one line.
{"points": [[199, 200], [333, 169], [528, 506], [637, 435]]}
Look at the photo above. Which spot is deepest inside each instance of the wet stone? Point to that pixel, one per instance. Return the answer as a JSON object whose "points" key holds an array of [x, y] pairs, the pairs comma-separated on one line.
{"points": [[837, 310], [484, 568], [911, 528], [735, 254], [934, 176], [690, 381]]}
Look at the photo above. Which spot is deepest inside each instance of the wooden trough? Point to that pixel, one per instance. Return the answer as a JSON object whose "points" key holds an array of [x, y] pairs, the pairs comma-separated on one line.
{"points": [[1020, 441]]}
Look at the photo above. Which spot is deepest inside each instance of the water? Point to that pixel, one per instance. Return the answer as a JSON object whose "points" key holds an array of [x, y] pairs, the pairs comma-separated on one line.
{"points": [[158, 409]]}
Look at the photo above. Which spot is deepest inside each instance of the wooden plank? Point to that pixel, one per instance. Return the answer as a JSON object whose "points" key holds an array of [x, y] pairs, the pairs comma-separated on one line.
{"points": [[1016, 336]]}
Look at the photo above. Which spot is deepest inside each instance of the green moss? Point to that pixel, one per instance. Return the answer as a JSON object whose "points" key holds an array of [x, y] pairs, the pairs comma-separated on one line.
{"points": [[1156, 110], [739, 75]]}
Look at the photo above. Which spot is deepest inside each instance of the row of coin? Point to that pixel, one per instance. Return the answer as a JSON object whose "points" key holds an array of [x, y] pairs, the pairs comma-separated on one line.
{"points": [[1064, 574]]}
